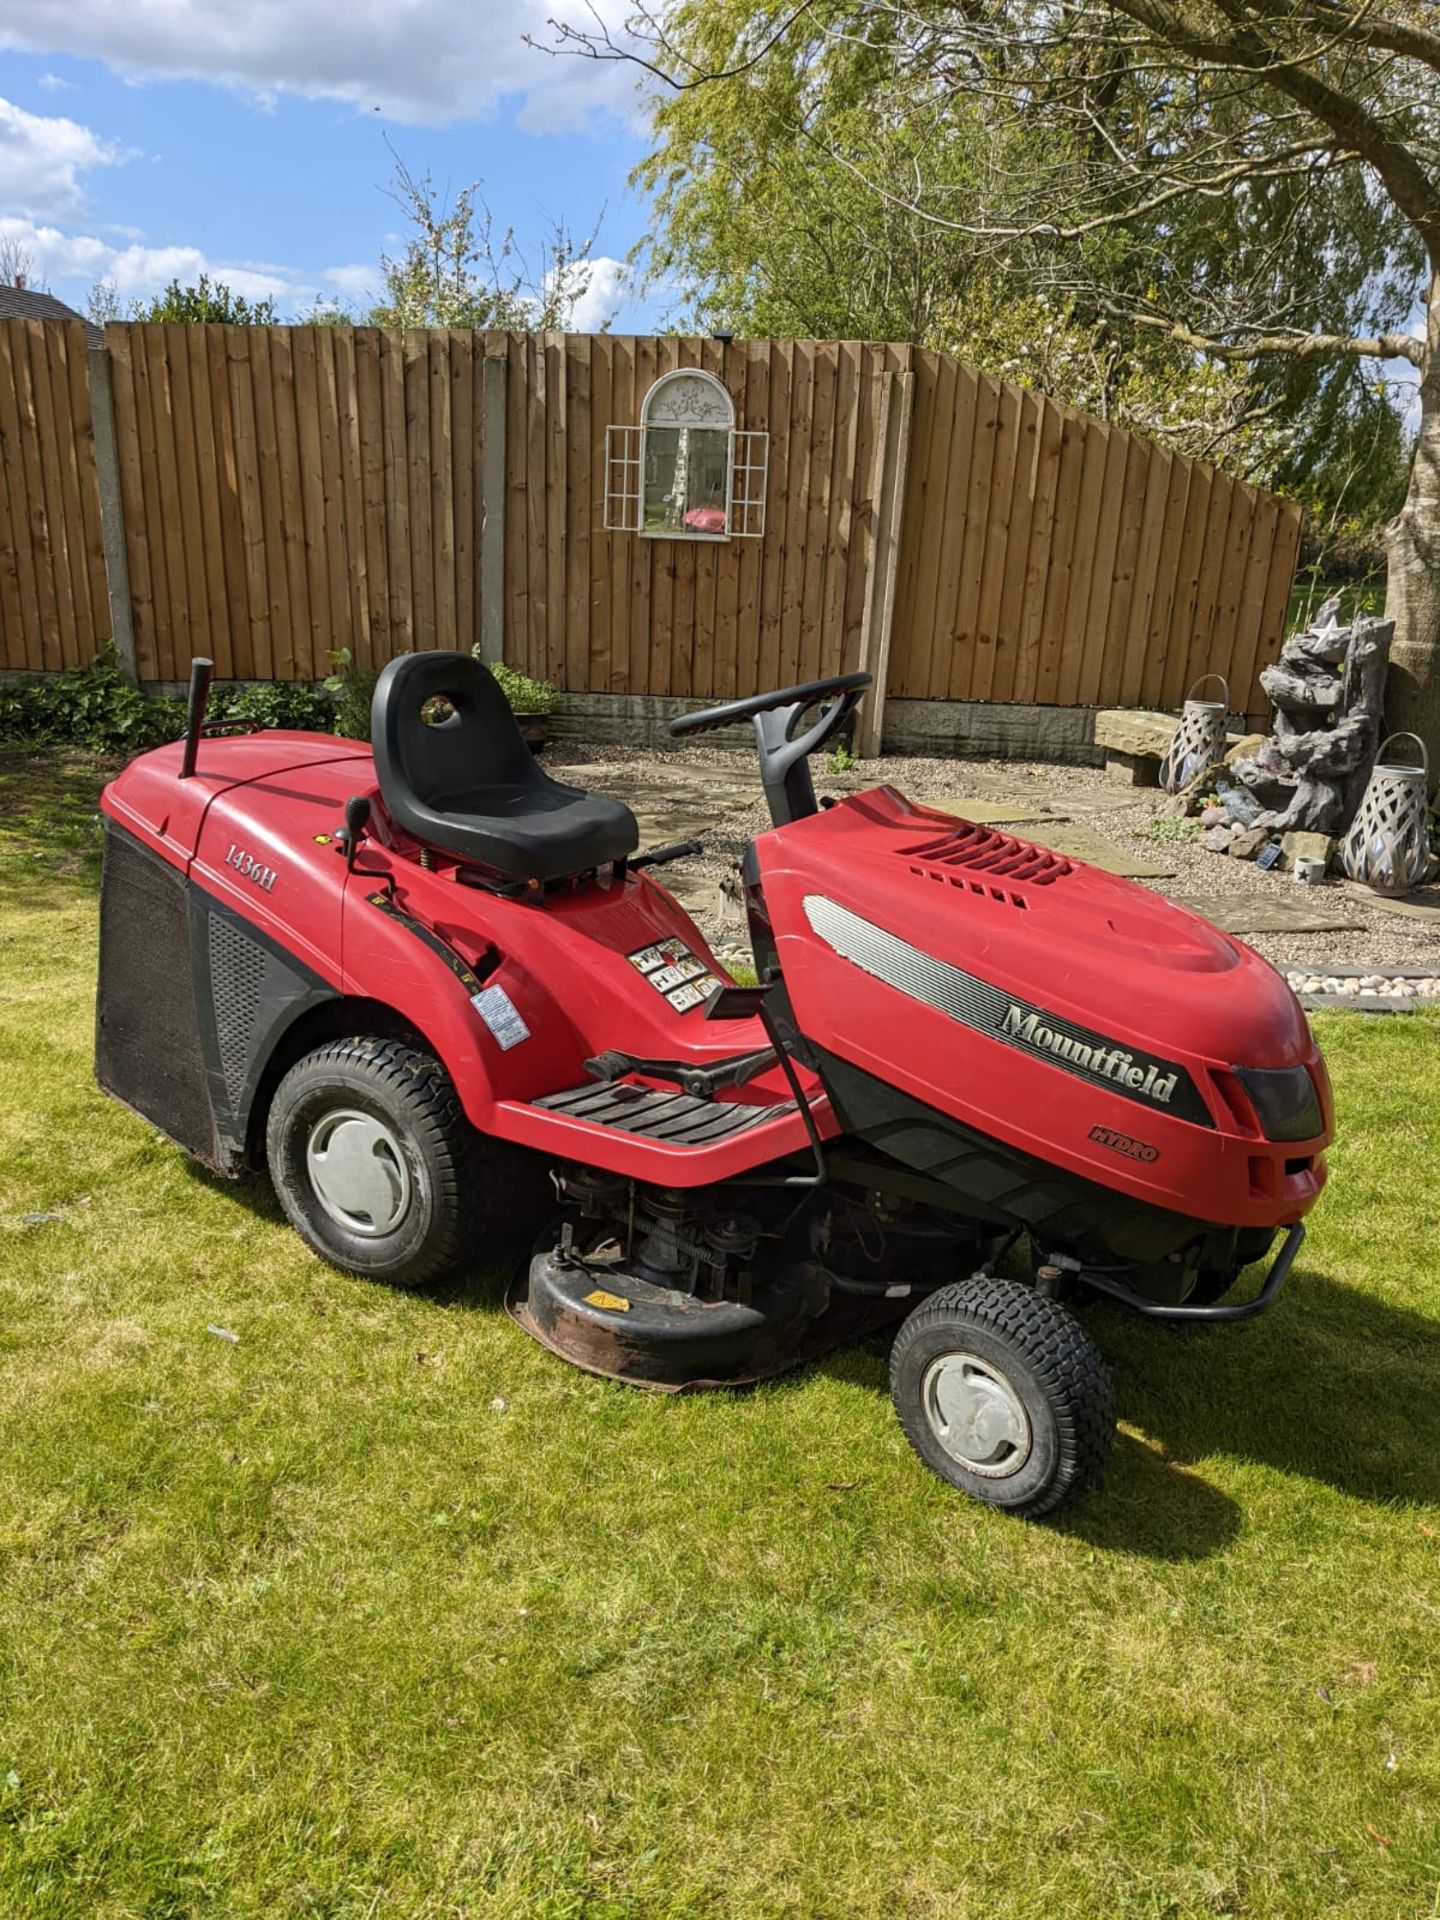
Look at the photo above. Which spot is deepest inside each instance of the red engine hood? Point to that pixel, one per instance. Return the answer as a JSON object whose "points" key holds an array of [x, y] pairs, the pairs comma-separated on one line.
{"points": [[1091, 947], [1040, 1000]]}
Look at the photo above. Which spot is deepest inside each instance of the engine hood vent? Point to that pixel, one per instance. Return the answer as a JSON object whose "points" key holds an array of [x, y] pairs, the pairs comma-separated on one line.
{"points": [[983, 850]]}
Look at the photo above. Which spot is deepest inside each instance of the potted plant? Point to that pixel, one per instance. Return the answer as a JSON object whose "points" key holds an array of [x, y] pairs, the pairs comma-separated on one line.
{"points": [[531, 701]]}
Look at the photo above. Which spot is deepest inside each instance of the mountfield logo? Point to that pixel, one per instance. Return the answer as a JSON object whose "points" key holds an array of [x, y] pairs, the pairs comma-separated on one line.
{"points": [[1148, 1082]]}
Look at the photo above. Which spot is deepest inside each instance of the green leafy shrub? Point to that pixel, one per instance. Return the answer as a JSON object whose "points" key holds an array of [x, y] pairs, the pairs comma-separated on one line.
{"points": [[1167, 831], [202, 302], [94, 707], [524, 694], [275, 703], [844, 759], [352, 688]]}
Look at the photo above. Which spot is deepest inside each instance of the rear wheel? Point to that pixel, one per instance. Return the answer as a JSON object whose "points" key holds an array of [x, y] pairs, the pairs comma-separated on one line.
{"points": [[379, 1171], [1002, 1393]]}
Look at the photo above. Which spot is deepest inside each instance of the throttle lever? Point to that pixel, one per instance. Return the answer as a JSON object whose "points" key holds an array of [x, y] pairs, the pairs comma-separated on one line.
{"points": [[662, 856]]}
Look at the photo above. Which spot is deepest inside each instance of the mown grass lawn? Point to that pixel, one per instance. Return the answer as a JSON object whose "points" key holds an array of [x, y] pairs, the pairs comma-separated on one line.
{"points": [[378, 1611]]}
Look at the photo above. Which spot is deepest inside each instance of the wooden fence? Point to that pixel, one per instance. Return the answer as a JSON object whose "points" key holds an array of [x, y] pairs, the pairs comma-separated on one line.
{"points": [[1044, 556], [290, 491], [1051, 558], [53, 610], [619, 613]]}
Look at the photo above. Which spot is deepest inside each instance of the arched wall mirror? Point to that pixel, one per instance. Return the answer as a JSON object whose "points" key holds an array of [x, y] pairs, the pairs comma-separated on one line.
{"points": [[686, 472]]}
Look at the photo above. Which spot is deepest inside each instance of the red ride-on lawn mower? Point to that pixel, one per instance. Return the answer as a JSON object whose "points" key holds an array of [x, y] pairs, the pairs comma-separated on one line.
{"points": [[445, 999]]}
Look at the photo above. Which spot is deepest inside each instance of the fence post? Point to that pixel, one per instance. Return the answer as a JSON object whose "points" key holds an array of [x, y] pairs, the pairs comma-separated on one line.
{"points": [[892, 459], [493, 399], [112, 508]]}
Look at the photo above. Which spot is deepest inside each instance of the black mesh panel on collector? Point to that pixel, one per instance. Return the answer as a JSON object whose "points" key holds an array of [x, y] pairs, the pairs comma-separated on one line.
{"points": [[147, 1041]]}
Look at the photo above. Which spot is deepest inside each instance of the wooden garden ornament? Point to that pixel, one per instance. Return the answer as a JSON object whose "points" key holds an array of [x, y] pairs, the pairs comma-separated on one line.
{"points": [[1327, 689]]}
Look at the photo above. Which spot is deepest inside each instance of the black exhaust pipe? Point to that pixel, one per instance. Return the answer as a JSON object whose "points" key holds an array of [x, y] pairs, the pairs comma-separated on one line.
{"points": [[201, 674]]}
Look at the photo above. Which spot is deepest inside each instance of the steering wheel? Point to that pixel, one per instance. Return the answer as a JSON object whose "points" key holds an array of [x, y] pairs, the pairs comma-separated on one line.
{"points": [[788, 786], [799, 698]]}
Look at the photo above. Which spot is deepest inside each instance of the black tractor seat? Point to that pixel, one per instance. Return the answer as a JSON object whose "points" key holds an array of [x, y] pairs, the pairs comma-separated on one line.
{"points": [[468, 784]]}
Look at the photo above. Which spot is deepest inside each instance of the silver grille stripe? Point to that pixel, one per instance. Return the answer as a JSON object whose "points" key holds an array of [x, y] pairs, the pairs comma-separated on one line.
{"points": [[988, 1009]]}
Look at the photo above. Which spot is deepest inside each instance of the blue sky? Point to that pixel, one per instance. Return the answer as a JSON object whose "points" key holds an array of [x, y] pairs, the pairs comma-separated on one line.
{"points": [[166, 137]]}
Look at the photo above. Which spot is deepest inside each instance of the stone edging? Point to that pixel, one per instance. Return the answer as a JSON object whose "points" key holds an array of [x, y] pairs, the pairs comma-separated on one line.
{"points": [[1366, 1003]]}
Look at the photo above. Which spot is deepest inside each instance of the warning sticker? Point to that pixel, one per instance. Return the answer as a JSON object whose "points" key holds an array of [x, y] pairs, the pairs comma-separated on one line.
{"points": [[665, 954], [612, 1302], [501, 1016], [672, 969], [693, 995]]}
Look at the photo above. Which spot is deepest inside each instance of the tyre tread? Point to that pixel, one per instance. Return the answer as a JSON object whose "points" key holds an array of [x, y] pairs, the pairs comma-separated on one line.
{"points": [[475, 1205], [1056, 1345]]}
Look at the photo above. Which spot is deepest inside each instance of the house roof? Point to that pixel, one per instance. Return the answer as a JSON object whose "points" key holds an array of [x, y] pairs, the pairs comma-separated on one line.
{"points": [[21, 303]]}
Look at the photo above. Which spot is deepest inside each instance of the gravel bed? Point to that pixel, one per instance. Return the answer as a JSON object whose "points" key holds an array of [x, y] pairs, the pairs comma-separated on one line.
{"points": [[1129, 817]]}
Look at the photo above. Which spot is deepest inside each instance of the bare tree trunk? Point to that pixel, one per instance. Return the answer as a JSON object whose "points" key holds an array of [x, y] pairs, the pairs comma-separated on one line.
{"points": [[1412, 547]]}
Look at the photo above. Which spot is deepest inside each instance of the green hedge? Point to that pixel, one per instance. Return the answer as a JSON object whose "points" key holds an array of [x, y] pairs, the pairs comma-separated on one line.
{"points": [[95, 707], [98, 708]]}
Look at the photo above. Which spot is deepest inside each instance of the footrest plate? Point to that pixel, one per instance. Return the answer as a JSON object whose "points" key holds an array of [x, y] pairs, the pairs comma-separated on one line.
{"points": [[679, 1119]]}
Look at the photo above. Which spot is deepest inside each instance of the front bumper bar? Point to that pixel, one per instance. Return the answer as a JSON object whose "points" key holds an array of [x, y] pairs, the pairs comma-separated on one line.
{"points": [[1223, 1310]]}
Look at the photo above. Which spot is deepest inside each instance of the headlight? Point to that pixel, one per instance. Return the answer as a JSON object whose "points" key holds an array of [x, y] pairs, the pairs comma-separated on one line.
{"points": [[1284, 1101]]}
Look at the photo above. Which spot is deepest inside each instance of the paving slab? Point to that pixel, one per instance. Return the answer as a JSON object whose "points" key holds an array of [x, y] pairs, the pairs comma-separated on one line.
{"points": [[1303, 912], [986, 812], [1109, 800], [1425, 909], [1081, 843]]}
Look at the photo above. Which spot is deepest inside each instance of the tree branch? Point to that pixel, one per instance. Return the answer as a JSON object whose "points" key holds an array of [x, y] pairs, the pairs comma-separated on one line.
{"points": [[600, 45], [1213, 186], [1295, 345], [1366, 27], [1410, 186]]}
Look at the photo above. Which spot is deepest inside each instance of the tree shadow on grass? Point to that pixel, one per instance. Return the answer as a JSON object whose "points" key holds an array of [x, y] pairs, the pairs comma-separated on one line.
{"points": [[1331, 1384], [43, 789], [1146, 1503], [49, 827]]}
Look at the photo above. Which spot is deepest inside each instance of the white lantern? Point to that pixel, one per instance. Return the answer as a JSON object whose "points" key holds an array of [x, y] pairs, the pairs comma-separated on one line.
{"points": [[1388, 846], [1199, 740]]}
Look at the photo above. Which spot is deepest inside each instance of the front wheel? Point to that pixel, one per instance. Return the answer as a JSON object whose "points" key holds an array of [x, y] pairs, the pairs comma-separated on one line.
{"points": [[1003, 1394]]}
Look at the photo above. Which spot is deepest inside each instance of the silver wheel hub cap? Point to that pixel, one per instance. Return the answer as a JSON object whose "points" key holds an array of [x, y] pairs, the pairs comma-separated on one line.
{"points": [[976, 1415], [358, 1172]]}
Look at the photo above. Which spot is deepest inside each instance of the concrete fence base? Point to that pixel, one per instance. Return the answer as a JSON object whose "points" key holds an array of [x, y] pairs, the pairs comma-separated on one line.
{"points": [[970, 729], [967, 729]]}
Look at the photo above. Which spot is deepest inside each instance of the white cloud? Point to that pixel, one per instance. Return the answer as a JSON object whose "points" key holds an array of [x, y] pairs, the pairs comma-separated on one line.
{"points": [[52, 83], [354, 282], [604, 295], [77, 260], [416, 60], [139, 270], [42, 159]]}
